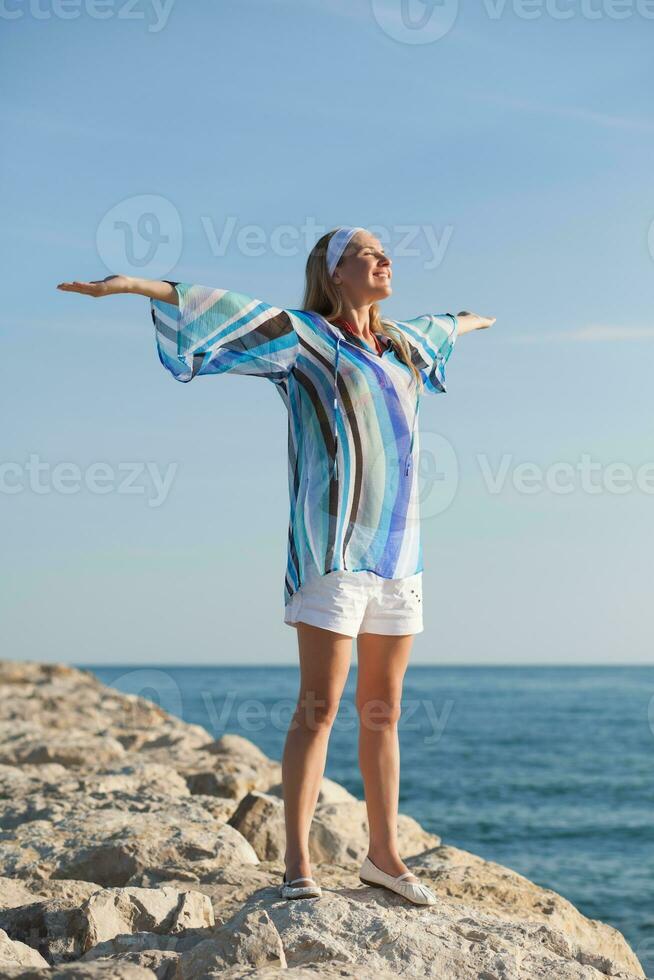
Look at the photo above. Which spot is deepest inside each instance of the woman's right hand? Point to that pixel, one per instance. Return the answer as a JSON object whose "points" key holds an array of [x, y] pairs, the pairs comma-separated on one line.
{"points": [[98, 287]]}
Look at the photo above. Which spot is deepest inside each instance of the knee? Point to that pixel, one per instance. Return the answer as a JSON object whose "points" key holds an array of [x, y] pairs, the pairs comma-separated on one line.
{"points": [[378, 713], [315, 713]]}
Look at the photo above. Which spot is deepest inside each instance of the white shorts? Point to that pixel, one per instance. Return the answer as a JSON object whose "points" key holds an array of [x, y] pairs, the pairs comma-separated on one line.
{"points": [[358, 602]]}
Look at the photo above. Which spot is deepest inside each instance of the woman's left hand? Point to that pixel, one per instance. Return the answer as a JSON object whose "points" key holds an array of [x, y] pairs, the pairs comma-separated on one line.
{"points": [[473, 321]]}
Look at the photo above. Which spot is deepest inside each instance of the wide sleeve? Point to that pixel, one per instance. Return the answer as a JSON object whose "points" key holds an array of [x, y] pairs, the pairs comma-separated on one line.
{"points": [[432, 337], [217, 331]]}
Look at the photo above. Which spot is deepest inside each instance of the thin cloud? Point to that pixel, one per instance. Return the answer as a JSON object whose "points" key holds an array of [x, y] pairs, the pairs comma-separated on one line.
{"points": [[570, 112]]}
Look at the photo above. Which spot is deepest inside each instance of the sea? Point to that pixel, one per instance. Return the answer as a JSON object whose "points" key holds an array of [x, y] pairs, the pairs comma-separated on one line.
{"points": [[548, 770]]}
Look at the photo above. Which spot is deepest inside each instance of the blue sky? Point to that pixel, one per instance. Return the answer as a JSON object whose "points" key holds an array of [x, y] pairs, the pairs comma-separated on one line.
{"points": [[508, 161]]}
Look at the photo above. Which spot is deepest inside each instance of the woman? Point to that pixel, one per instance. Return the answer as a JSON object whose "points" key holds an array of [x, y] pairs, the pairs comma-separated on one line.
{"points": [[351, 383]]}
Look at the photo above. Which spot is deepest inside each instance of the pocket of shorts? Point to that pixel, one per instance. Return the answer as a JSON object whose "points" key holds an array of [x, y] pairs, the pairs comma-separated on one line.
{"points": [[407, 591]]}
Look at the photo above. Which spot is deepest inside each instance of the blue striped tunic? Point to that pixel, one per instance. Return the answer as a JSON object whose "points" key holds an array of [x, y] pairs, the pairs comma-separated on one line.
{"points": [[353, 438]]}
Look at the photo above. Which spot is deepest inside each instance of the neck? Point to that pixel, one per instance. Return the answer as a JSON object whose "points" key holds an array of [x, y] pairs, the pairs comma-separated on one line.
{"points": [[359, 317]]}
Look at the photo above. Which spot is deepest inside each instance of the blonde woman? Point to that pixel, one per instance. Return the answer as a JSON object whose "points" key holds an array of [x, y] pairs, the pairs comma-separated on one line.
{"points": [[351, 383]]}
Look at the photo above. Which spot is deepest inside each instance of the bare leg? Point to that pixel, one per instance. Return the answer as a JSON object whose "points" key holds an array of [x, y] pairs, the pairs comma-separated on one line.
{"points": [[382, 662], [324, 665]]}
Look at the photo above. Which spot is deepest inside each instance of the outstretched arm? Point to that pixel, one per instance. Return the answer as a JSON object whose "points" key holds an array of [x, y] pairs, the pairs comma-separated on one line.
{"points": [[472, 321], [432, 337], [114, 285], [205, 330]]}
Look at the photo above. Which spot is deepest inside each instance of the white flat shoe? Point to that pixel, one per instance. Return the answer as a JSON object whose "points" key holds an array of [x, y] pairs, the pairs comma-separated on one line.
{"points": [[289, 889], [419, 894]]}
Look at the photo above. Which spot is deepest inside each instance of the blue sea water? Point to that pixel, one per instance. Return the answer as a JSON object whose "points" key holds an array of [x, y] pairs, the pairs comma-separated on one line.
{"points": [[547, 770]]}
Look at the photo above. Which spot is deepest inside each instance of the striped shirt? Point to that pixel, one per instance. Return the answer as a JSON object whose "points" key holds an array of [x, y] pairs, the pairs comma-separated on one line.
{"points": [[353, 438]]}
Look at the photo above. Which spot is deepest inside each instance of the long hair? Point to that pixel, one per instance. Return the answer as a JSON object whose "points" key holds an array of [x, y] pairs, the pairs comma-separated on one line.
{"points": [[322, 296]]}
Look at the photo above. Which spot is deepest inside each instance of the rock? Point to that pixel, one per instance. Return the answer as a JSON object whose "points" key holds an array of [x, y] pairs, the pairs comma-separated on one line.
{"points": [[14, 953], [330, 792], [229, 888], [67, 749], [173, 744], [260, 819], [376, 930], [250, 939], [118, 911], [51, 792], [497, 889], [53, 927], [137, 947], [61, 932], [102, 970], [131, 782], [326, 971], [32, 672], [43, 713], [219, 808], [237, 747], [160, 963], [231, 766], [231, 778], [339, 834], [132, 844], [112, 847], [15, 892]]}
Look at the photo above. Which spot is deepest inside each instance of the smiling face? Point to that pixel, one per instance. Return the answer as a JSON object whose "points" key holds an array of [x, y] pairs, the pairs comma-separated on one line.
{"points": [[364, 272]]}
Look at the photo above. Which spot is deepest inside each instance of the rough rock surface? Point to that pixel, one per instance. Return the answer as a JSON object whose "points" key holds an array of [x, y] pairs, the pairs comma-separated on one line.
{"points": [[133, 845]]}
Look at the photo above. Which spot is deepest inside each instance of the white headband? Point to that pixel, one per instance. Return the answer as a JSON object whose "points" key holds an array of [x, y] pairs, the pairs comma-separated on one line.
{"points": [[337, 245]]}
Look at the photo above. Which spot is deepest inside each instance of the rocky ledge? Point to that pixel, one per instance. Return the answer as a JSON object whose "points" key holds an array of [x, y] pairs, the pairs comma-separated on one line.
{"points": [[134, 845]]}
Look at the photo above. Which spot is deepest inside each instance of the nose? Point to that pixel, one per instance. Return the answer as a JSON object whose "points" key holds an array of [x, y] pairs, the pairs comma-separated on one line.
{"points": [[385, 261]]}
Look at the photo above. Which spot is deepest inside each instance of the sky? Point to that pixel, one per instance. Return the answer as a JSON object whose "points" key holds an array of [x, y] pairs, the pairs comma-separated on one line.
{"points": [[503, 153]]}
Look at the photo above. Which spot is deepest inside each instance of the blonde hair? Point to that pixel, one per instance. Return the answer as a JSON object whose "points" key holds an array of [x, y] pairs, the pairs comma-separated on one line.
{"points": [[321, 296]]}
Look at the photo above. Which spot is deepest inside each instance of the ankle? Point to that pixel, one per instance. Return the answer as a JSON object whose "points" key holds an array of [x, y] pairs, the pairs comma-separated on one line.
{"points": [[387, 860], [383, 852], [297, 865]]}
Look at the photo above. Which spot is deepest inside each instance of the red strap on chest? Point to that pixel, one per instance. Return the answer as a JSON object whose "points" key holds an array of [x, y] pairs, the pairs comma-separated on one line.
{"points": [[350, 329]]}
